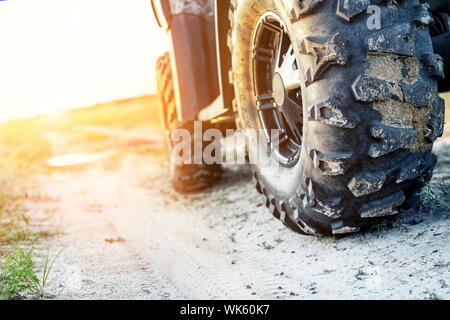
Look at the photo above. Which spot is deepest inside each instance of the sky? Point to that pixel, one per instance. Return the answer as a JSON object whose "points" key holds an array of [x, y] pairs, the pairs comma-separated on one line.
{"points": [[64, 54]]}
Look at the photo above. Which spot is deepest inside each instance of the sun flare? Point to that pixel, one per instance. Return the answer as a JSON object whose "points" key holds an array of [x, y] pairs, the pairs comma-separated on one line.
{"points": [[62, 54]]}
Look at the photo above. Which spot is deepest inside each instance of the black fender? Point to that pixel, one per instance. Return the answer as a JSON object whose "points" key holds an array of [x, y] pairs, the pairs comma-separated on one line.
{"points": [[194, 64], [222, 8], [193, 57], [161, 10]]}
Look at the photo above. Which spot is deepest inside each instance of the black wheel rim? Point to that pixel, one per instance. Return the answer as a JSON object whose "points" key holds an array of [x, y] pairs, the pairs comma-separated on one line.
{"points": [[277, 90]]}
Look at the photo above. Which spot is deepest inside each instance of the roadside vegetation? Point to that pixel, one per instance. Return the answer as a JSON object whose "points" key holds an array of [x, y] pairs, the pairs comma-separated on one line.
{"points": [[18, 279], [22, 151]]}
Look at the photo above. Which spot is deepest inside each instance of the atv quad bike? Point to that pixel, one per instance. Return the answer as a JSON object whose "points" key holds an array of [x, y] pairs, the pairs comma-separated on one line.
{"points": [[351, 85]]}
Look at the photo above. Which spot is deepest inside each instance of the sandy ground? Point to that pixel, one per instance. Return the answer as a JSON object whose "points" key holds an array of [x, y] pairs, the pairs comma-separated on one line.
{"points": [[127, 235]]}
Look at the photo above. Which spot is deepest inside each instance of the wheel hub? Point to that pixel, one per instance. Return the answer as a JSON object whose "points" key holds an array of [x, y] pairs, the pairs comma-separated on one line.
{"points": [[276, 80], [279, 92]]}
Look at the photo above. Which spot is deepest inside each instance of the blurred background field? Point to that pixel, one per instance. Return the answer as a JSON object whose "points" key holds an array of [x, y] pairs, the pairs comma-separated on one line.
{"points": [[446, 96], [26, 145]]}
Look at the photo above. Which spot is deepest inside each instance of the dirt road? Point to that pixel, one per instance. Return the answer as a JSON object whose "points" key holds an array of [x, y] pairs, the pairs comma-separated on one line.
{"points": [[127, 235]]}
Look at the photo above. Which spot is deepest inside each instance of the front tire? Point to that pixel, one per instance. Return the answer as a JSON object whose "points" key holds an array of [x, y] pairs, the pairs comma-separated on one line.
{"points": [[368, 113]]}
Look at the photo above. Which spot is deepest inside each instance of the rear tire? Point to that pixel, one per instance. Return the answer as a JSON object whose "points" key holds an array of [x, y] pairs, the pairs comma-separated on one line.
{"points": [[370, 108], [184, 177]]}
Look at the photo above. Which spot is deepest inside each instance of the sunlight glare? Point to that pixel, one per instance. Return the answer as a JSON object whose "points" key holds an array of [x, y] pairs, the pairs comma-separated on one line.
{"points": [[61, 54]]}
